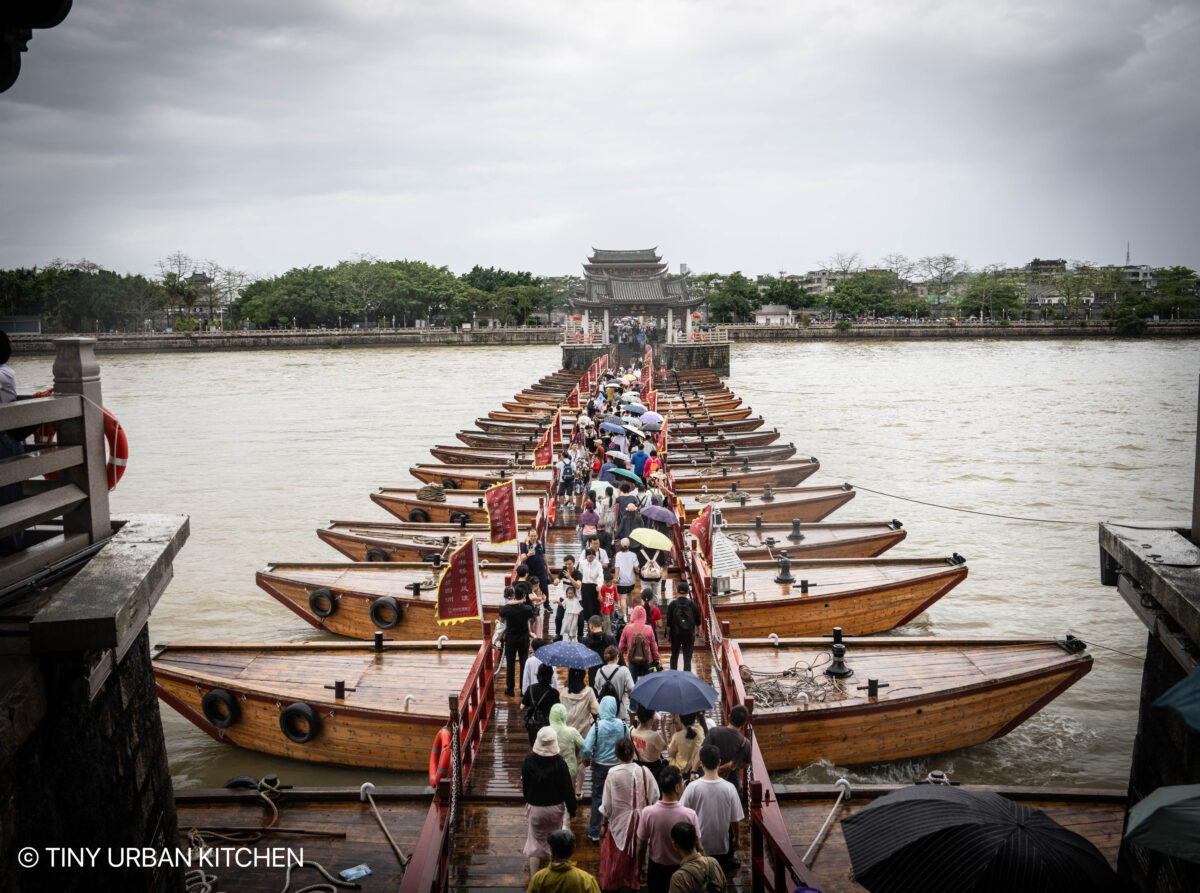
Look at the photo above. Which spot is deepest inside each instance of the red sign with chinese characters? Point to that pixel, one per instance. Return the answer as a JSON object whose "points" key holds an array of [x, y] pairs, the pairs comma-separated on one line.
{"points": [[701, 529], [501, 501], [459, 586], [543, 454], [652, 401], [573, 398], [662, 439], [556, 428]]}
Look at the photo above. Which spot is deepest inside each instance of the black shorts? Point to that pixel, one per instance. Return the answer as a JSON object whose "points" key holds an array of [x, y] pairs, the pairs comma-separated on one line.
{"points": [[625, 590], [566, 487]]}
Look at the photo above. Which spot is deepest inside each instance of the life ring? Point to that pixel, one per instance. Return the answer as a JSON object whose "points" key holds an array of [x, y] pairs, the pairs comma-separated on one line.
{"points": [[703, 337], [220, 708], [118, 448], [299, 722], [579, 336], [693, 336], [439, 758], [322, 603], [385, 612], [376, 554], [419, 516]]}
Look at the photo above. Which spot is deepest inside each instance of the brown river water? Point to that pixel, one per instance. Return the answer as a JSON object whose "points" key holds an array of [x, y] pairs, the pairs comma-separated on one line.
{"points": [[262, 448]]}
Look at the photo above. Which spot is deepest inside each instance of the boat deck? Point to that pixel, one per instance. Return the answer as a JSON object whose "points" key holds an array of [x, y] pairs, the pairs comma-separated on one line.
{"points": [[1098, 816], [492, 826], [332, 828]]}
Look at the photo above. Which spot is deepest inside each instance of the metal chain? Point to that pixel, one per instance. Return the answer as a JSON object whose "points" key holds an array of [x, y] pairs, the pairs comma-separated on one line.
{"points": [[455, 777]]}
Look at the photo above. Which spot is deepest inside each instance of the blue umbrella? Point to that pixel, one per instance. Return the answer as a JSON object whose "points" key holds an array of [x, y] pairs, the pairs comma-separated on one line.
{"points": [[572, 655], [635, 409], [613, 427], [674, 691]]}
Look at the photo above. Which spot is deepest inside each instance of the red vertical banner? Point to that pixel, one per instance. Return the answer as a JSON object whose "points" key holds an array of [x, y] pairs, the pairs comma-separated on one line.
{"points": [[701, 529], [459, 587], [543, 453], [662, 439], [603, 362], [652, 402], [501, 501], [556, 428], [573, 398]]}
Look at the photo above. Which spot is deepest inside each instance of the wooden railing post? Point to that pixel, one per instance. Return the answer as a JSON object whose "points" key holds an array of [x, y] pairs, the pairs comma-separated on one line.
{"points": [[757, 860], [77, 372]]}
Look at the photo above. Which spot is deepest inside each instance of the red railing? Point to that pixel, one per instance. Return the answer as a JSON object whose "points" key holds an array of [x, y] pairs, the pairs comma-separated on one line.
{"points": [[470, 711], [775, 866]]}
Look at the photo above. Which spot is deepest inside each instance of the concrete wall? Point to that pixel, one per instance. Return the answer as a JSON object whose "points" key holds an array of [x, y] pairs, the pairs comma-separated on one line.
{"points": [[673, 356], [87, 773], [292, 340]]}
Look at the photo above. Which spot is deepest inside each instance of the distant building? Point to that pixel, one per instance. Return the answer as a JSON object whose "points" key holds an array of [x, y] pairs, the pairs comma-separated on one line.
{"points": [[774, 315], [636, 284], [21, 325], [1141, 277]]}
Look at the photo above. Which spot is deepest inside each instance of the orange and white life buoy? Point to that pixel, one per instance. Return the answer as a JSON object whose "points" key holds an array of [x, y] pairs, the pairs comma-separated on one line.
{"points": [[439, 758], [579, 336], [118, 448]]}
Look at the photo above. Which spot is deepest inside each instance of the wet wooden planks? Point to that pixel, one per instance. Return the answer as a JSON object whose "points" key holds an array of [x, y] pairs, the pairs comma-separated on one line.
{"points": [[322, 813], [492, 827]]}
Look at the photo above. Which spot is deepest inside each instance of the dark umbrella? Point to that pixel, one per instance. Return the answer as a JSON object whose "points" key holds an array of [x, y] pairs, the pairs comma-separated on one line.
{"points": [[626, 473], [635, 409], [941, 839], [615, 419], [659, 513], [1168, 820], [651, 427], [674, 691], [572, 655], [1184, 697]]}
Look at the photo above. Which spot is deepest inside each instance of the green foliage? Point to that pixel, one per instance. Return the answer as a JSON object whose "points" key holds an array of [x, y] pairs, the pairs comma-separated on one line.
{"points": [[786, 292], [843, 325], [734, 301], [866, 294], [806, 319], [992, 292], [492, 279], [80, 297]]}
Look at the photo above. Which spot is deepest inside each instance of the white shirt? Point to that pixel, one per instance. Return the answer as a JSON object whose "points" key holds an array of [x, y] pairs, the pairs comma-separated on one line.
{"points": [[718, 806], [529, 674], [8, 384], [601, 558], [593, 571], [627, 565]]}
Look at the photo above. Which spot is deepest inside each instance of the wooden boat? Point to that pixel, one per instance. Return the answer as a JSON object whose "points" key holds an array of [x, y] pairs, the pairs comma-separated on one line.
{"points": [[279, 698], [683, 425], [691, 477], [335, 826], [405, 541], [459, 506], [941, 694], [545, 415], [531, 404], [356, 599], [805, 504], [718, 441], [860, 595], [458, 454]]}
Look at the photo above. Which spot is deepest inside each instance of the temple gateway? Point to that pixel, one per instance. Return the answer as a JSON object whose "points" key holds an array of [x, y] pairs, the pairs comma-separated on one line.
{"points": [[625, 293]]}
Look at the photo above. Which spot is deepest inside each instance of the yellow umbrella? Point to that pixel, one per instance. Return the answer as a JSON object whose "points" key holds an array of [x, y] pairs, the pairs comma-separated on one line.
{"points": [[651, 539]]}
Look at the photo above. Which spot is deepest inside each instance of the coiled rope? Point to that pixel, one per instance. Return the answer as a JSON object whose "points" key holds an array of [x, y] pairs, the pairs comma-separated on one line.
{"points": [[797, 683], [431, 493]]}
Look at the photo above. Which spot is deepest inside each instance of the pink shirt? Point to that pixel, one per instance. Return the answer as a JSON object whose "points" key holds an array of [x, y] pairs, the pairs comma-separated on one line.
{"points": [[647, 632], [654, 826]]}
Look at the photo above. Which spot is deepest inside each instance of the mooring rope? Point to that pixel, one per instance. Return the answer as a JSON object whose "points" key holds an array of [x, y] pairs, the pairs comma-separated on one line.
{"points": [[955, 508]]}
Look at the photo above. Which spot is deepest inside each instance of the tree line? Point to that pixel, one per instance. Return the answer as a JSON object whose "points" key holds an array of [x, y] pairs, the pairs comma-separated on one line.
{"points": [[189, 292], [949, 285]]}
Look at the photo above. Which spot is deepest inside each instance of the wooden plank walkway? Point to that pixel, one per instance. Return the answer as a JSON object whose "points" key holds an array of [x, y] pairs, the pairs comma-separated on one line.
{"points": [[491, 826]]}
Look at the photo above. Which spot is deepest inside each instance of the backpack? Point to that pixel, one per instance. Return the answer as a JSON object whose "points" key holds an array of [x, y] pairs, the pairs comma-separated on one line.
{"points": [[536, 718], [567, 475], [608, 689], [651, 570], [708, 883], [683, 620], [639, 651]]}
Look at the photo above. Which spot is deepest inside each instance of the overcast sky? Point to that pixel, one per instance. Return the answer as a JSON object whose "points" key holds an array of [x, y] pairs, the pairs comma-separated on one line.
{"points": [[759, 136]]}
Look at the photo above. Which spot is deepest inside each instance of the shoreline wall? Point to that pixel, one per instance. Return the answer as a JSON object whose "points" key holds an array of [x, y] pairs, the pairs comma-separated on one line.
{"points": [[350, 338]]}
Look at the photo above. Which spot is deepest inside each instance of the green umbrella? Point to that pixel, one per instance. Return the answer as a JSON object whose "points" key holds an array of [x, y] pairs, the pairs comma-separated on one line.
{"points": [[626, 473], [1168, 821]]}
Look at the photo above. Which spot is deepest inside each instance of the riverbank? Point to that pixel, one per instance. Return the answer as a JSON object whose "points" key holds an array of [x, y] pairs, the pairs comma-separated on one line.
{"points": [[293, 339]]}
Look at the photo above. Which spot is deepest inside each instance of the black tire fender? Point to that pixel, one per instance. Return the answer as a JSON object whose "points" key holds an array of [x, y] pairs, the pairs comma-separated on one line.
{"points": [[459, 517], [377, 554], [220, 708], [299, 722], [419, 516], [322, 602], [449, 484], [386, 612]]}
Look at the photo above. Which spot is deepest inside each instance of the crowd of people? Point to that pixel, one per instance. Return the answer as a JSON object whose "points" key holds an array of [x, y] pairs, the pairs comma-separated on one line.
{"points": [[664, 806]]}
